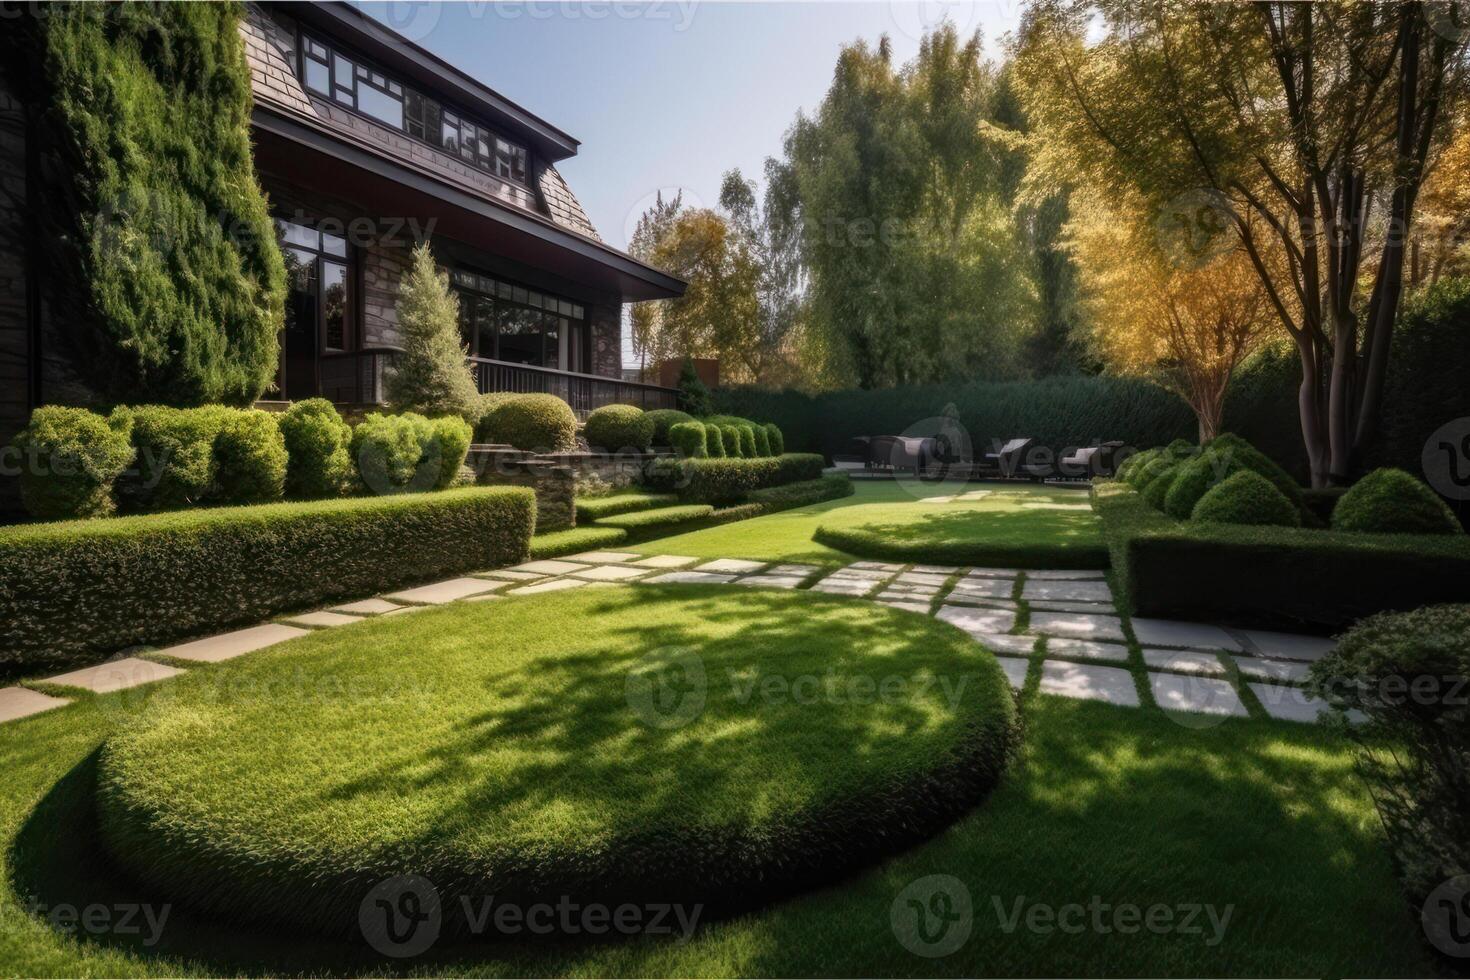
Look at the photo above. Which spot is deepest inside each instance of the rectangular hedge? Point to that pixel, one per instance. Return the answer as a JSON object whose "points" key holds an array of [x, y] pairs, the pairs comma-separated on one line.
{"points": [[554, 544], [76, 591], [725, 481], [1285, 577]]}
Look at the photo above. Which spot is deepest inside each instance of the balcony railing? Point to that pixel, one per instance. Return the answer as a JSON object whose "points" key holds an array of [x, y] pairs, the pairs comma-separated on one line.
{"points": [[584, 392]]}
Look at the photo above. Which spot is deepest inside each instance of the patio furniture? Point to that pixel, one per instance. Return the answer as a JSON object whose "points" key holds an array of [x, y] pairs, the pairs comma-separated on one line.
{"points": [[902, 452], [1005, 462], [1090, 461]]}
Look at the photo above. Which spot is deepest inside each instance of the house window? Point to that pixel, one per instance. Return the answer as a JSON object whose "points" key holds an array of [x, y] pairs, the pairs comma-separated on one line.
{"points": [[505, 322], [319, 307]]}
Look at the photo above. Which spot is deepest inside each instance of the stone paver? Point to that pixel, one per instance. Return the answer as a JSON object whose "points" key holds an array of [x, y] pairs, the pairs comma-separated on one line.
{"points": [[554, 585], [407, 609], [844, 586], [737, 565], [772, 581], [448, 590], [989, 588], [488, 596], [366, 607], [548, 566], [610, 573], [116, 675], [802, 570], [890, 596], [1174, 633], [1015, 669], [666, 561], [1090, 682], [1200, 695], [867, 574], [1184, 661], [1008, 573], [511, 575], [913, 607], [1293, 703], [1067, 591], [604, 557], [1086, 649], [919, 578], [1057, 605], [1006, 643], [945, 570], [973, 620], [690, 578], [965, 599], [323, 619], [213, 649], [22, 702], [1065, 575], [1083, 626], [1289, 646], [877, 566], [912, 589], [1273, 670]]}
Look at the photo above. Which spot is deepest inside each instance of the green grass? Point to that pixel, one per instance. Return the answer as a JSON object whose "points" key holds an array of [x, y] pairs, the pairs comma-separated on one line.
{"points": [[534, 767], [553, 544], [624, 502]]}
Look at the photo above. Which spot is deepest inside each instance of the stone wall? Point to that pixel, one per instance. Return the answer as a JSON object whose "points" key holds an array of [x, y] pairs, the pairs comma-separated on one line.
{"points": [[555, 487], [606, 325]]}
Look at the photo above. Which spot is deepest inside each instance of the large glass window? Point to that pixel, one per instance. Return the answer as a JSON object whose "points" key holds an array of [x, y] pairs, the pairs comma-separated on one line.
{"points": [[505, 322], [318, 313]]}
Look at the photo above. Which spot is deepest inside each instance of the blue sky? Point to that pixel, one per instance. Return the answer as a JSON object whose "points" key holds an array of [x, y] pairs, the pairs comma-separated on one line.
{"points": [[669, 93]]}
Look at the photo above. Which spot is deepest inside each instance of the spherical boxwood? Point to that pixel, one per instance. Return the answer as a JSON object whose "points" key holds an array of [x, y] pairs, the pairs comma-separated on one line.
{"points": [[1152, 469], [1390, 501], [69, 459], [614, 428], [318, 443], [174, 465], [483, 406], [1157, 487], [1133, 470], [734, 448], [534, 423], [747, 441], [687, 439], [395, 454], [775, 439], [239, 803], [714, 441], [1247, 498], [1226, 455], [451, 443], [762, 441], [665, 419], [250, 459]]}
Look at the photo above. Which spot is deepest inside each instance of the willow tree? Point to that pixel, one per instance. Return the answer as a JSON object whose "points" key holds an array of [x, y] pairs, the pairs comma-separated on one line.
{"points": [[1307, 127]]}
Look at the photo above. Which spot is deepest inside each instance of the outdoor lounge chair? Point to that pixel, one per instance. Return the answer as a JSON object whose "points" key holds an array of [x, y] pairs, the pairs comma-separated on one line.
{"points": [[902, 452], [1090, 461], [1005, 462]]}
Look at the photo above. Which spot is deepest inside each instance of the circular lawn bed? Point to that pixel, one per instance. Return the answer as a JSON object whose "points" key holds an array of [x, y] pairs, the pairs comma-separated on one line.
{"points": [[643, 744]]}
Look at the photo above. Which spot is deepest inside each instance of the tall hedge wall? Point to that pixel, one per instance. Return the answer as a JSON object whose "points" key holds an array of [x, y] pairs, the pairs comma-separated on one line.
{"points": [[147, 106]]}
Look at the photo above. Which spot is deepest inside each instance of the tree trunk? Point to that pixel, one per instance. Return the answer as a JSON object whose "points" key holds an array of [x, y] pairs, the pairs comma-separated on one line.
{"points": [[1309, 407]]}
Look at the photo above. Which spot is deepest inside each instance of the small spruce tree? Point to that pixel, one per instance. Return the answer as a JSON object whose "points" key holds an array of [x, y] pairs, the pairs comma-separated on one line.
{"points": [[693, 394], [432, 376]]}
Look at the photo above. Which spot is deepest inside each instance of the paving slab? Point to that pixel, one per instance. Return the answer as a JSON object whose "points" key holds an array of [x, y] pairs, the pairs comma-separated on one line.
{"points": [[877, 566], [736, 565], [923, 590], [1199, 695], [511, 575], [408, 609], [1089, 682], [446, 591], [913, 607], [867, 574], [610, 573], [1175, 633], [1184, 661], [666, 561], [1057, 605], [604, 557], [22, 702], [1086, 649], [945, 570], [116, 675], [1287, 671], [919, 578], [487, 596], [1007, 643], [772, 581], [323, 619], [213, 649], [1015, 669], [844, 586], [1067, 591], [1009, 573], [965, 599], [973, 620], [1293, 703], [989, 588], [1288, 646], [690, 578], [549, 566], [1083, 626], [1066, 575], [554, 585], [366, 607], [802, 570], [909, 597]]}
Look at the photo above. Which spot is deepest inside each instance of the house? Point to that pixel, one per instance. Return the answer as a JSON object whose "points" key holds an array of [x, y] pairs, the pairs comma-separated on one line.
{"points": [[365, 143]]}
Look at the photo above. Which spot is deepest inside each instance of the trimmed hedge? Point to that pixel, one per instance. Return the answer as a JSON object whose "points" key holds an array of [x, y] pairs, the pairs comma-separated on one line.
{"points": [[642, 521], [762, 441], [832, 486], [485, 403], [614, 428], [452, 436], [1224, 457], [174, 466], [408, 453], [730, 435], [249, 459], [724, 481], [1164, 472], [687, 439], [1390, 501], [533, 423], [665, 419], [554, 544], [714, 441], [318, 450], [747, 441], [76, 591], [774, 439], [595, 508], [70, 459], [1272, 576], [1246, 498]]}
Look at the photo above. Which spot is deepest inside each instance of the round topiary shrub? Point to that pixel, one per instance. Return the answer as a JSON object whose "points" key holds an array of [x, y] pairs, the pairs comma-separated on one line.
{"points": [[451, 443], [746, 435], [1225, 456], [1390, 501], [1247, 498], [762, 441], [174, 465], [714, 441], [318, 450], [483, 406], [687, 439], [615, 428], [534, 423], [733, 446], [1158, 484], [1133, 468], [1152, 469], [663, 420], [70, 458], [295, 809], [775, 439], [396, 454], [250, 458]]}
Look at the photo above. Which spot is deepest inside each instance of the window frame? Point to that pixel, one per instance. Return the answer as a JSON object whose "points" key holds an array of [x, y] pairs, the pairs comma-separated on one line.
{"points": [[548, 307], [321, 257]]}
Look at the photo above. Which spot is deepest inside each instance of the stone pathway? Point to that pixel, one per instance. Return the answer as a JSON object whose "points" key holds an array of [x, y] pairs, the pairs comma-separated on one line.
{"points": [[1064, 619]]}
